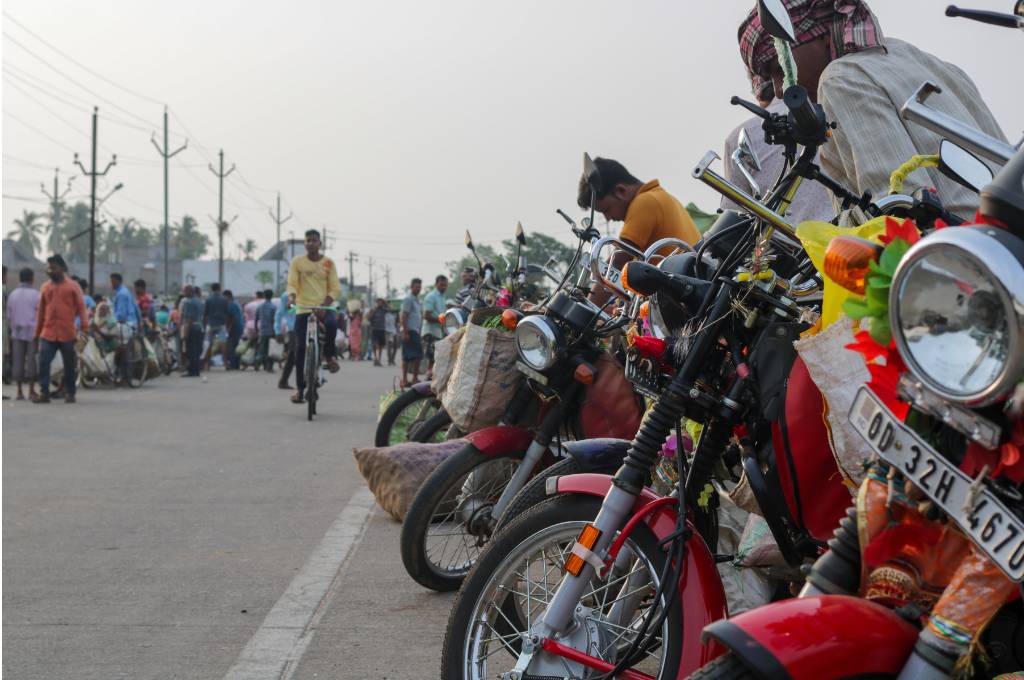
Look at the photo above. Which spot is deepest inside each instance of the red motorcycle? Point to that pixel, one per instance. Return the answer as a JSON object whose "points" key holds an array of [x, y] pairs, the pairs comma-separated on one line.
{"points": [[923, 579]]}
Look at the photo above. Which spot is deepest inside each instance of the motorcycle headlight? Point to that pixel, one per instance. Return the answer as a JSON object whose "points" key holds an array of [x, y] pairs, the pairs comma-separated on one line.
{"points": [[454, 319], [957, 312], [537, 340]]}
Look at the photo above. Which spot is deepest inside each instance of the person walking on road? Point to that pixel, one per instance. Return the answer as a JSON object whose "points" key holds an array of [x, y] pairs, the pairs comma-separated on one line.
{"points": [[379, 329], [284, 322], [22, 304], [192, 331], [312, 282], [144, 300], [265, 330], [250, 315], [215, 321], [236, 325], [60, 301], [391, 328], [410, 321], [126, 312], [433, 307]]}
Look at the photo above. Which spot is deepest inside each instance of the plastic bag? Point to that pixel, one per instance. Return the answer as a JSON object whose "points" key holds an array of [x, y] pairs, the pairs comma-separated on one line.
{"points": [[483, 378], [446, 351]]}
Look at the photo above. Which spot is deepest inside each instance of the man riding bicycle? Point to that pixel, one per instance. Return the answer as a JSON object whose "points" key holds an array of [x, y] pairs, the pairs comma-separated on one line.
{"points": [[312, 281]]}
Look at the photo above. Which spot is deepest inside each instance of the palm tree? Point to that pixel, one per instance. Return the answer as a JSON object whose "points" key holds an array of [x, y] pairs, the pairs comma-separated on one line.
{"points": [[29, 230], [188, 240], [248, 249]]}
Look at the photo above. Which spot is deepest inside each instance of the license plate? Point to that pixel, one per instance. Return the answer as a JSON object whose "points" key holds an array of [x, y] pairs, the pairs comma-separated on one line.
{"points": [[613, 275], [997, 531], [531, 373]]}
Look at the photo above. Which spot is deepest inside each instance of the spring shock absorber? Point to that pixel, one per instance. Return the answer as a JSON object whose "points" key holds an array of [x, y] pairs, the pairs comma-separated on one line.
{"points": [[837, 572], [713, 442]]}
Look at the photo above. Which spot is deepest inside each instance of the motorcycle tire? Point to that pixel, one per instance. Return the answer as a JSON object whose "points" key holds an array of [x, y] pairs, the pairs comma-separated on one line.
{"points": [[563, 517], [436, 503], [405, 404], [435, 429], [725, 667], [535, 490]]}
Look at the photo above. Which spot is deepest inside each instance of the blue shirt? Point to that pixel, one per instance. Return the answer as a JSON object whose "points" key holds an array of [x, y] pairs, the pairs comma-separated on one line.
{"points": [[434, 305], [191, 311], [236, 324], [283, 313], [125, 309], [216, 311], [89, 304], [265, 314]]}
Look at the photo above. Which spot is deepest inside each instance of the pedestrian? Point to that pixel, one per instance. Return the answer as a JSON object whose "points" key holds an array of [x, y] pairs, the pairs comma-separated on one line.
{"points": [[391, 329], [6, 338], [145, 302], [60, 300], [378, 329], [126, 311], [192, 313], [236, 325], [410, 321], [284, 322], [22, 304], [265, 331], [215, 321], [355, 335], [250, 315], [433, 307], [90, 303]]}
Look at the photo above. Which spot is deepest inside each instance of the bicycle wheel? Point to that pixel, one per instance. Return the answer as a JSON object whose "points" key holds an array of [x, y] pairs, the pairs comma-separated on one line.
{"points": [[405, 416], [312, 359]]}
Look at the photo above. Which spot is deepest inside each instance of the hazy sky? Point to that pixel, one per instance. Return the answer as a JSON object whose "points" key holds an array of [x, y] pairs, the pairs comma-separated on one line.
{"points": [[398, 125]]}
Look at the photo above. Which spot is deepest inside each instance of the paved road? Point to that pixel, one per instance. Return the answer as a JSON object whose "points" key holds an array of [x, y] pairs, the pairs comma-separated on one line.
{"points": [[205, 530]]}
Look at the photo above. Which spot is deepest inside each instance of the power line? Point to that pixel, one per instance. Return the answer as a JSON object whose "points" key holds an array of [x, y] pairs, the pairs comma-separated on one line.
{"points": [[78, 63], [38, 131], [21, 161]]}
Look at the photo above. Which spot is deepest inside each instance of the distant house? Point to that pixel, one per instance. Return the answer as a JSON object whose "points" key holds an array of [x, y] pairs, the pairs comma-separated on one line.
{"points": [[17, 257]]}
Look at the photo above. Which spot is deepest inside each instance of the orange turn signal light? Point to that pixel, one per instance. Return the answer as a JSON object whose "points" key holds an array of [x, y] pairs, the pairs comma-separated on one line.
{"points": [[847, 260], [584, 374], [587, 539], [624, 279], [440, 319], [645, 309], [510, 319]]}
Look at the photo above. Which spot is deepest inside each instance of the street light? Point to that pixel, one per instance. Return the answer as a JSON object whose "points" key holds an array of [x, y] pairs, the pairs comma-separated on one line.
{"points": [[117, 187]]}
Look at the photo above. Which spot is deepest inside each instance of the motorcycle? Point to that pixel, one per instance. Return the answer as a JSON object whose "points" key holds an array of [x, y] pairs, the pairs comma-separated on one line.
{"points": [[565, 370], [926, 569], [416, 414]]}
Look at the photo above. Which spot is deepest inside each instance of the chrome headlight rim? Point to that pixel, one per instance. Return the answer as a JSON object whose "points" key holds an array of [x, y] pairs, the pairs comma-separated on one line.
{"points": [[453, 320], [550, 336], [992, 250]]}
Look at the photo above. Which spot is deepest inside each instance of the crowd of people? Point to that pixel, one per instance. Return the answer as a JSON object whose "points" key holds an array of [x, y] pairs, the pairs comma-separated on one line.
{"points": [[215, 329]]}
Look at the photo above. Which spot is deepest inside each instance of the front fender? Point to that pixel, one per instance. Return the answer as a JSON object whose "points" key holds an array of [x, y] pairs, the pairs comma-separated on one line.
{"points": [[700, 588], [598, 454], [823, 637], [500, 439], [424, 389]]}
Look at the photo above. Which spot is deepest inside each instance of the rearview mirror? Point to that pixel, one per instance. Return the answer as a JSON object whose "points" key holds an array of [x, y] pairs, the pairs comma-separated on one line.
{"points": [[586, 222], [591, 172], [520, 234], [469, 241], [775, 19], [746, 160], [963, 167]]}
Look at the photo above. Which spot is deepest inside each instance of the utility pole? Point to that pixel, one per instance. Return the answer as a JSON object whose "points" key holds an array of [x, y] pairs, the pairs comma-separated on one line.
{"points": [[369, 284], [352, 257], [221, 226], [93, 174], [278, 221], [387, 281], [167, 225], [55, 201], [323, 228]]}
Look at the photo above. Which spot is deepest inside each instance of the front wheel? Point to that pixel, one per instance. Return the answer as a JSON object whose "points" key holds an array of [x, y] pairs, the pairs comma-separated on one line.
{"points": [[133, 363], [449, 520], [512, 583], [404, 416], [311, 377], [535, 491], [436, 429]]}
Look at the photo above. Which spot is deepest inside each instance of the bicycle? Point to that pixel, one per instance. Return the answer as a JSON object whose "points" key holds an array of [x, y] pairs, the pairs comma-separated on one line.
{"points": [[313, 369]]}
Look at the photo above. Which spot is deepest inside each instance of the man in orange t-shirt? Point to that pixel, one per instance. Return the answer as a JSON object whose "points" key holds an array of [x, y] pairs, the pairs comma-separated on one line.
{"points": [[60, 301], [648, 212]]}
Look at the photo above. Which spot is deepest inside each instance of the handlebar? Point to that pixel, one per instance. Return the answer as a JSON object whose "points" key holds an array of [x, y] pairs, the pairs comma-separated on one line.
{"points": [[810, 121], [312, 308], [986, 17]]}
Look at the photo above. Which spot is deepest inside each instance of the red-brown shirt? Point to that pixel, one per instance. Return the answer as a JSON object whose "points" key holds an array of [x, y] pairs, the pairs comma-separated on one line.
{"points": [[59, 304]]}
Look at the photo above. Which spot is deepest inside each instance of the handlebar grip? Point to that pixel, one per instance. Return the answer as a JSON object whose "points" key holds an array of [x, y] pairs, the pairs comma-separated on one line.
{"points": [[800, 106], [984, 16]]}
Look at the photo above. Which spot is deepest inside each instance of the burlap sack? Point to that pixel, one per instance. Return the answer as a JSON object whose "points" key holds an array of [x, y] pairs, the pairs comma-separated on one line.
{"points": [[483, 378], [838, 373], [446, 350], [395, 473]]}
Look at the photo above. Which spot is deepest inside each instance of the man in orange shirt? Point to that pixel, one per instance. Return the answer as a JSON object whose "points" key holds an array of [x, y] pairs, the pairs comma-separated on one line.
{"points": [[648, 212], [60, 301]]}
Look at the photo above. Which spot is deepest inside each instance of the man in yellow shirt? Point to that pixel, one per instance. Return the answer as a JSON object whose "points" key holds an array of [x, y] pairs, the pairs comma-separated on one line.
{"points": [[648, 212], [313, 281]]}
